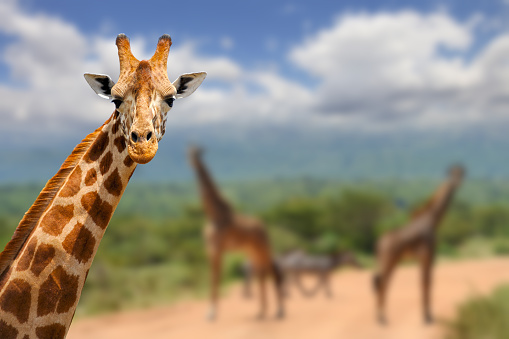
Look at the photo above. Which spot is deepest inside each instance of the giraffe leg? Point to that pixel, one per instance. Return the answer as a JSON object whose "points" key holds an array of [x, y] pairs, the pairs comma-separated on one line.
{"points": [[215, 267], [248, 276], [279, 286], [426, 267], [381, 286], [262, 275]]}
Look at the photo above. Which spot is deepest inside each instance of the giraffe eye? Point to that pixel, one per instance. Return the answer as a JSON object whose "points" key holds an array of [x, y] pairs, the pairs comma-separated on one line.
{"points": [[170, 101], [117, 102]]}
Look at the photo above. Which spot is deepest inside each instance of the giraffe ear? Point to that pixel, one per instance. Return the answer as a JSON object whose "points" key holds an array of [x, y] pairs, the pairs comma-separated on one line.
{"points": [[101, 84], [186, 84]]}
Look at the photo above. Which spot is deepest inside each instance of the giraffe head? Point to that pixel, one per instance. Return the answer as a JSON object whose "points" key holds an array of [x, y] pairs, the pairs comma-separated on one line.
{"points": [[194, 151], [456, 174], [194, 154], [143, 95]]}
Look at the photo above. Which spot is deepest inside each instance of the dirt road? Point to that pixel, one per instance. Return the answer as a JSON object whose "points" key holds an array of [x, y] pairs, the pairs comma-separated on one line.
{"points": [[349, 314]]}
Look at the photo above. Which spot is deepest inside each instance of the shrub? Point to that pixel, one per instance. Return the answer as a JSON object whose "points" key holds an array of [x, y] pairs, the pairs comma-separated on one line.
{"points": [[482, 317]]}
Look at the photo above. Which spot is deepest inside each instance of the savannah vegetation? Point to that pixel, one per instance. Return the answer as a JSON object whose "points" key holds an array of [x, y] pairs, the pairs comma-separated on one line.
{"points": [[153, 253], [482, 317]]}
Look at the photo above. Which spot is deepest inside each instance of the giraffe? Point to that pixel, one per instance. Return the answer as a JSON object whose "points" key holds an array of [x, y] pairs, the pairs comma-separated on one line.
{"points": [[44, 266], [227, 231], [416, 239]]}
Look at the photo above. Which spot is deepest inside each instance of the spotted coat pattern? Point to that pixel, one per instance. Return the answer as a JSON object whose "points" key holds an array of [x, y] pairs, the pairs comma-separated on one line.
{"points": [[44, 266], [47, 278]]}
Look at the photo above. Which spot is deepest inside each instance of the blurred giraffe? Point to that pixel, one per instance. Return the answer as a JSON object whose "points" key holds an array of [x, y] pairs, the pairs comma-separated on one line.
{"points": [[227, 231], [416, 239]]}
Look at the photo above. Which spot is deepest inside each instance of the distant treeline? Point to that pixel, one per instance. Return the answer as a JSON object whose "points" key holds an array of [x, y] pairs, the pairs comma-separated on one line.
{"points": [[153, 252], [168, 199]]}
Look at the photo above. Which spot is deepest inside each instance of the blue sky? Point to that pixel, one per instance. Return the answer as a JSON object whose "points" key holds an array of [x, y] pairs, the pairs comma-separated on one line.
{"points": [[250, 25], [364, 66], [347, 64], [250, 32]]}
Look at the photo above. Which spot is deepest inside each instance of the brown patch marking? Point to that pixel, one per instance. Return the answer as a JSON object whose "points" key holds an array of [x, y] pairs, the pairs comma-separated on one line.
{"points": [[120, 143], [42, 259], [128, 162], [59, 292], [97, 148], [33, 216], [27, 256], [16, 299], [56, 218], [113, 183], [80, 243], [73, 184], [105, 163], [99, 210], [7, 331], [53, 331], [91, 177]]}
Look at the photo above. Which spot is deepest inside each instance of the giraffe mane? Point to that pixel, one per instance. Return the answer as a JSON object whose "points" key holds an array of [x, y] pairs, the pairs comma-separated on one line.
{"points": [[34, 213]]}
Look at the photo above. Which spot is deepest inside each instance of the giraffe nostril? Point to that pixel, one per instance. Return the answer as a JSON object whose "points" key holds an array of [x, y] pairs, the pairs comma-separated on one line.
{"points": [[134, 137], [149, 136]]}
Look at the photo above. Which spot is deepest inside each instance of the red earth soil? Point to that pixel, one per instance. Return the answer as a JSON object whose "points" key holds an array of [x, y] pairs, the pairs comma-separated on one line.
{"points": [[349, 314]]}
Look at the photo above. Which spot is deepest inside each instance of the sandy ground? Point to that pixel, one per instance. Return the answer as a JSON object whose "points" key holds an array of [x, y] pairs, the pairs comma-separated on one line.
{"points": [[349, 314]]}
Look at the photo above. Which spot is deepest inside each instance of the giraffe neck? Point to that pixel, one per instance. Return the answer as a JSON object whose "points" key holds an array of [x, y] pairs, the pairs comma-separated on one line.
{"points": [[215, 206], [44, 266], [441, 202]]}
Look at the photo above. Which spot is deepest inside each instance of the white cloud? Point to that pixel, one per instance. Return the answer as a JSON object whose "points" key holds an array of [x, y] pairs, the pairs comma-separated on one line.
{"points": [[185, 59], [45, 57], [371, 71], [392, 67], [48, 56]]}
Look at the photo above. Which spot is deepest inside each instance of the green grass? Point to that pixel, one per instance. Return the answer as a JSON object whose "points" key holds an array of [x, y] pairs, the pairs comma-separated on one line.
{"points": [[482, 317], [110, 289]]}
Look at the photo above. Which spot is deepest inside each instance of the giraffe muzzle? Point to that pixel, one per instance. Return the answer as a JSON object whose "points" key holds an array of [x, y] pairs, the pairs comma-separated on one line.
{"points": [[142, 146]]}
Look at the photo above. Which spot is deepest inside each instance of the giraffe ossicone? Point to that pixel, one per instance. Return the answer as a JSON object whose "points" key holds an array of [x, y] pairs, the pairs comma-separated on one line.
{"points": [[44, 266]]}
